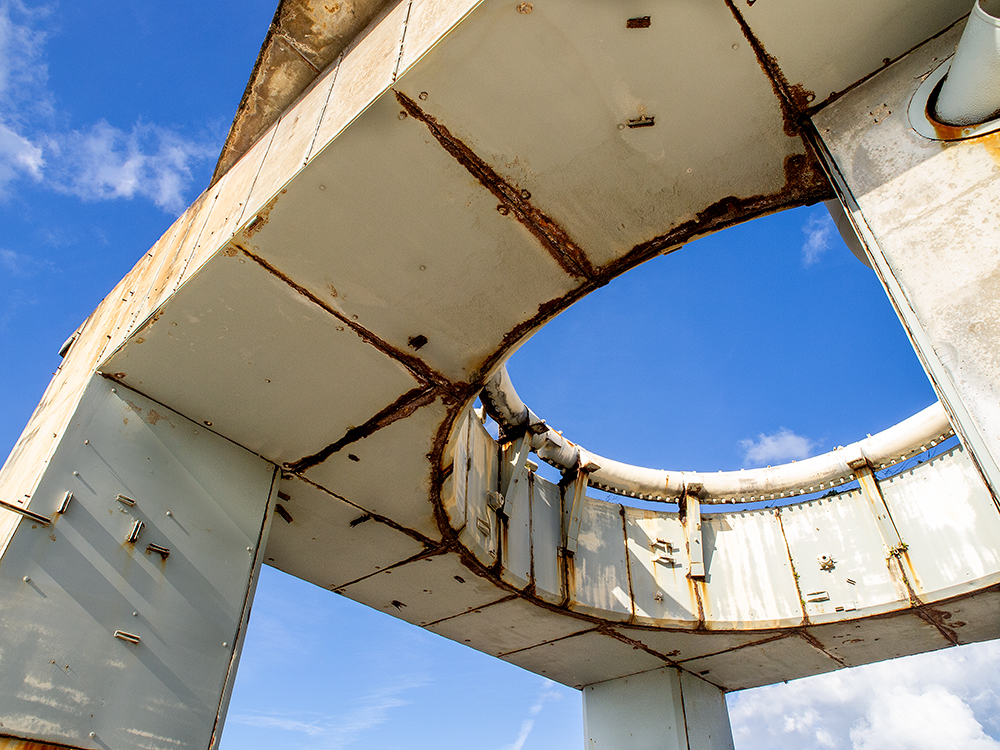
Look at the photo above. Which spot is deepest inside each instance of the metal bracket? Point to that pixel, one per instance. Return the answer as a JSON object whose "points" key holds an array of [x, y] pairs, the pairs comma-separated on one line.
{"points": [[36, 517], [692, 530], [573, 512], [521, 449], [883, 518]]}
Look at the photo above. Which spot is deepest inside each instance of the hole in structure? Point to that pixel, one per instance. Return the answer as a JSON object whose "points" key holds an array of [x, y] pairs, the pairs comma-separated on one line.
{"points": [[761, 344]]}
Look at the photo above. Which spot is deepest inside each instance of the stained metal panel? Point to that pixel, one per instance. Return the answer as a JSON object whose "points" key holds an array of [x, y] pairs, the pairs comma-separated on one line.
{"points": [[680, 645], [749, 581], [77, 581], [646, 708], [450, 269], [762, 663], [426, 590], [878, 639], [949, 523], [507, 626], [658, 566], [584, 659], [974, 618], [546, 514], [515, 550], [321, 538], [842, 530], [388, 472], [598, 574], [481, 477], [218, 352], [427, 23]]}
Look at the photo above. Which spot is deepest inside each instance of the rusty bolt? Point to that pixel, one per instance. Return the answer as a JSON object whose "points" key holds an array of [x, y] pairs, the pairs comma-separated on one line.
{"points": [[525, 8], [504, 210], [422, 96], [208, 423], [525, 195], [402, 114], [810, 97], [621, 126]]}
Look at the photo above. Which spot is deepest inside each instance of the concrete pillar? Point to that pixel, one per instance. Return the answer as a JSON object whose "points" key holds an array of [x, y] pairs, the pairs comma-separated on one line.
{"points": [[922, 197], [126, 578], [665, 709]]}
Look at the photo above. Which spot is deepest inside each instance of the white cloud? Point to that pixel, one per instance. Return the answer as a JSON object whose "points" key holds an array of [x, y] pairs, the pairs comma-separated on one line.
{"points": [[548, 692], [819, 231], [944, 699], [97, 162], [337, 730], [783, 445]]}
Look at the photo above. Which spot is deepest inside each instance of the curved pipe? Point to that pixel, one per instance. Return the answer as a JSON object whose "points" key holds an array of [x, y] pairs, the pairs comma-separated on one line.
{"points": [[908, 438], [970, 93]]}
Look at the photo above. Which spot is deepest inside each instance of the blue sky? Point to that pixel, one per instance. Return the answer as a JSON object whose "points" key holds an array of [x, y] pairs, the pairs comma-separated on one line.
{"points": [[764, 343]]}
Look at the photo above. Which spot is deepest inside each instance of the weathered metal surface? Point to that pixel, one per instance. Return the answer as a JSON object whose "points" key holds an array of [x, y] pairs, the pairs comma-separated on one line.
{"points": [[665, 708], [126, 643]]}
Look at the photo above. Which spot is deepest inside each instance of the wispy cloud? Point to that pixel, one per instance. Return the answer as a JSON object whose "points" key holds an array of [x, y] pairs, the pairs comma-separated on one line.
{"points": [[547, 693], [819, 232], [337, 730], [783, 445], [942, 699], [96, 162]]}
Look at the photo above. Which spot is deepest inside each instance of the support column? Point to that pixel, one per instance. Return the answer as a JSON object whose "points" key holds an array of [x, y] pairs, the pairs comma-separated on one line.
{"points": [[665, 709], [922, 198], [126, 580]]}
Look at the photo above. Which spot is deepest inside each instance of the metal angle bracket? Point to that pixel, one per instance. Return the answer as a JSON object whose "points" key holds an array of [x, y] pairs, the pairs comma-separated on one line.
{"points": [[521, 448], [873, 493], [573, 511], [692, 529]]}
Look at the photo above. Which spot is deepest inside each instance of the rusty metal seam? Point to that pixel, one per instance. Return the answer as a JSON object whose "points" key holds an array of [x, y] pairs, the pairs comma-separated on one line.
{"points": [[628, 566], [426, 554], [570, 257], [197, 239], [291, 42], [608, 630], [816, 644], [504, 600], [415, 535], [417, 367], [791, 563], [402, 41], [546, 643], [402, 407], [761, 642], [684, 717], [326, 103]]}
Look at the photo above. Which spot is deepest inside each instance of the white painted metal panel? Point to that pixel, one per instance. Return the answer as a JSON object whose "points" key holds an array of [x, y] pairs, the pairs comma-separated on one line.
{"points": [[749, 581], [763, 663], [839, 557], [515, 550], [546, 514], [584, 659], [218, 352], [706, 715], [680, 645], [426, 590], [856, 643], [640, 712], [481, 477], [388, 472], [658, 565], [427, 23], [200, 498], [949, 523], [597, 573], [510, 625], [323, 539]]}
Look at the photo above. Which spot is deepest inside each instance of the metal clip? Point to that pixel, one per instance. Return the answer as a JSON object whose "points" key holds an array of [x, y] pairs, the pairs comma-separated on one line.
{"points": [[67, 499], [125, 500], [133, 535], [36, 517], [129, 637], [161, 551]]}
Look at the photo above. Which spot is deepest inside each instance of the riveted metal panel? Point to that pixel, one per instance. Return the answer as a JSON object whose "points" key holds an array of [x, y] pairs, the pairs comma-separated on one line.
{"points": [[840, 558], [321, 538], [389, 471], [218, 352], [507, 626], [425, 590], [584, 659], [597, 574], [176, 597], [749, 581], [949, 524], [658, 565]]}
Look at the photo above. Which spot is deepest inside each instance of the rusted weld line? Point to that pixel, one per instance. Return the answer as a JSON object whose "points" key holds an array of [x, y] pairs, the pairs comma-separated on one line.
{"points": [[503, 600], [791, 562], [553, 237], [791, 99], [936, 618], [814, 642], [628, 566], [415, 365], [402, 407], [428, 553]]}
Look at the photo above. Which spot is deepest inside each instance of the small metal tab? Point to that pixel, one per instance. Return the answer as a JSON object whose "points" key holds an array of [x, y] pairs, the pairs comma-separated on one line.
{"points": [[129, 637], [36, 517], [826, 562], [483, 525], [818, 596], [642, 121], [161, 551], [133, 535], [124, 500], [67, 499], [665, 560], [495, 500]]}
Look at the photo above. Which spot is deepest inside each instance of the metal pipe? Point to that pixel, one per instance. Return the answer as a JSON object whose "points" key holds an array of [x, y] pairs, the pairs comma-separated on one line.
{"points": [[908, 438], [970, 93]]}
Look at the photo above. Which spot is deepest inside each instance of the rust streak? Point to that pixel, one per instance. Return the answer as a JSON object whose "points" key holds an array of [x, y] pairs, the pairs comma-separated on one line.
{"points": [[814, 642], [553, 237], [628, 566], [416, 366], [402, 407], [795, 573]]}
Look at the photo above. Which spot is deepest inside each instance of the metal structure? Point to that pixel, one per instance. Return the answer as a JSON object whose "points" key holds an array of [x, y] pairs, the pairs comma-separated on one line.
{"points": [[288, 376]]}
